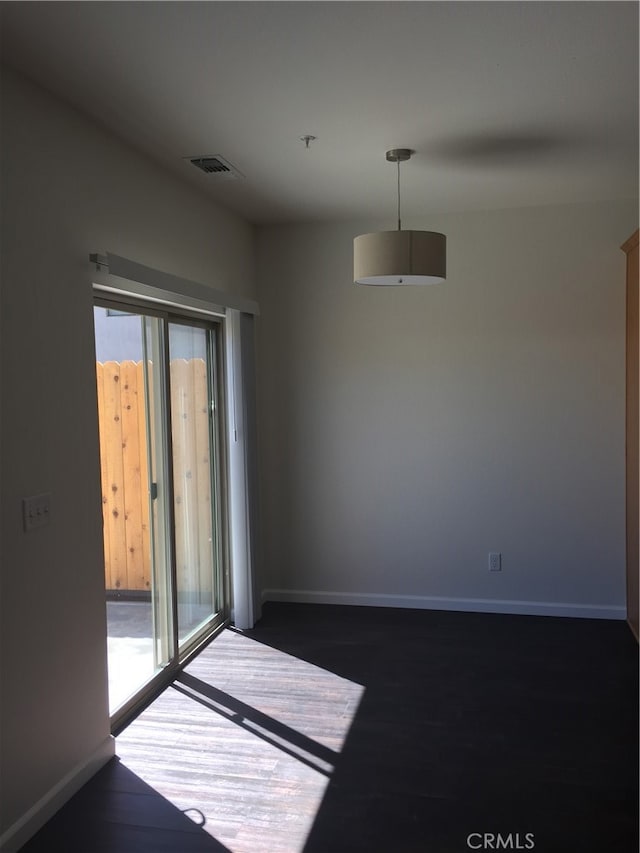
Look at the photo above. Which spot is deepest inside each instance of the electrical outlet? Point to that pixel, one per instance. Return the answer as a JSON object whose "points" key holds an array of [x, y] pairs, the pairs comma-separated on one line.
{"points": [[35, 511], [495, 561]]}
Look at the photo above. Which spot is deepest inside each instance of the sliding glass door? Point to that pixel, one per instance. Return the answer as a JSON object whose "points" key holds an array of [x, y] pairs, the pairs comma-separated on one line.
{"points": [[158, 404], [192, 376]]}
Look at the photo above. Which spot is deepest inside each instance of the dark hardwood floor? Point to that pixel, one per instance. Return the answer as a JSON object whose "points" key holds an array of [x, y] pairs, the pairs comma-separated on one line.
{"points": [[342, 729]]}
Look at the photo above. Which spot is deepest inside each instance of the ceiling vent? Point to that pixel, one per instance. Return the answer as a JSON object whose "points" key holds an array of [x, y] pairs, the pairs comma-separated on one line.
{"points": [[215, 165]]}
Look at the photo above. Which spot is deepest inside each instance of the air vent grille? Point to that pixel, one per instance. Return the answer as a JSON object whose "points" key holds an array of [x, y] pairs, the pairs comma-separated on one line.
{"points": [[215, 165]]}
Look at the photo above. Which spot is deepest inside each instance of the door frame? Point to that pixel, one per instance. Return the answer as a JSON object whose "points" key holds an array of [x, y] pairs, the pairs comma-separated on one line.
{"points": [[632, 430], [219, 485]]}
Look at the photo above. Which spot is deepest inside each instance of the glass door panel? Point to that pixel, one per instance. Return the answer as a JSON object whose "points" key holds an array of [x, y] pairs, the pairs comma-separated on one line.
{"points": [[128, 369], [192, 439]]}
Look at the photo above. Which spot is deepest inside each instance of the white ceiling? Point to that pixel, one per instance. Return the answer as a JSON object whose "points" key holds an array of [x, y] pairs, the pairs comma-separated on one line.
{"points": [[506, 103]]}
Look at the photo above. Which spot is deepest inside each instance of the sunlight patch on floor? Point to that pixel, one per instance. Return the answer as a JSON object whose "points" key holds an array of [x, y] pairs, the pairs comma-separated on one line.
{"points": [[249, 737]]}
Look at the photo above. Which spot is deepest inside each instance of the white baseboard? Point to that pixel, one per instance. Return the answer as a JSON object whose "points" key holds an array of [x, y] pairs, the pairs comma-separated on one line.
{"points": [[427, 602], [25, 827]]}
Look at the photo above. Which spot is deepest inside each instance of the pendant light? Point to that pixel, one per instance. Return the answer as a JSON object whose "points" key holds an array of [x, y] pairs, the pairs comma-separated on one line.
{"points": [[400, 257]]}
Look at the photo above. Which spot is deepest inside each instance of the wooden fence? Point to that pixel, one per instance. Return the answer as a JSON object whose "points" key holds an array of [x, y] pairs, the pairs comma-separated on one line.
{"points": [[190, 430], [125, 478]]}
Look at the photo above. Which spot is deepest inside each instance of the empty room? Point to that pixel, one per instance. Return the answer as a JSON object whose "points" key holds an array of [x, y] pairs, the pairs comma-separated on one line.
{"points": [[320, 446]]}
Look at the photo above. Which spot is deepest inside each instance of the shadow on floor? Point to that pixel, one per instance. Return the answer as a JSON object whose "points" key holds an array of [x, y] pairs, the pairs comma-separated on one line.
{"points": [[117, 811], [474, 723]]}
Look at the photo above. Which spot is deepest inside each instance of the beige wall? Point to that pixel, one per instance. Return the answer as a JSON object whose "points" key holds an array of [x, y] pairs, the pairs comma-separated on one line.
{"points": [[407, 432], [69, 189]]}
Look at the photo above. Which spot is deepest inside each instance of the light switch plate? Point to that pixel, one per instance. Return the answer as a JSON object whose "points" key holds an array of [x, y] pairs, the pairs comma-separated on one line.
{"points": [[35, 511]]}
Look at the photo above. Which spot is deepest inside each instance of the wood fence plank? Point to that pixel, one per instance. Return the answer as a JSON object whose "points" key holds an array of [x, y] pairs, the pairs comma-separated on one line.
{"points": [[202, 471], [179, 495], [115, 475], [131, 452], [184, 461], [102, 431], [156, 524], [190, 464], [144, 476]]}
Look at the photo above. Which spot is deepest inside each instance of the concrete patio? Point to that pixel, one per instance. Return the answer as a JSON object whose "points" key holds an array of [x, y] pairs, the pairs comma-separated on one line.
{"points": [[130, 644]]}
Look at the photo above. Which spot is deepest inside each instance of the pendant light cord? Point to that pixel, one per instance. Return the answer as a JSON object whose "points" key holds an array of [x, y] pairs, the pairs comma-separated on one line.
{"points": [[398, 161]]}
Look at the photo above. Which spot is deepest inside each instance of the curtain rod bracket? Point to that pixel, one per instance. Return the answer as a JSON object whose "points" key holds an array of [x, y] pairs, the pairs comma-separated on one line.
{"points": [[100, 261]]}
